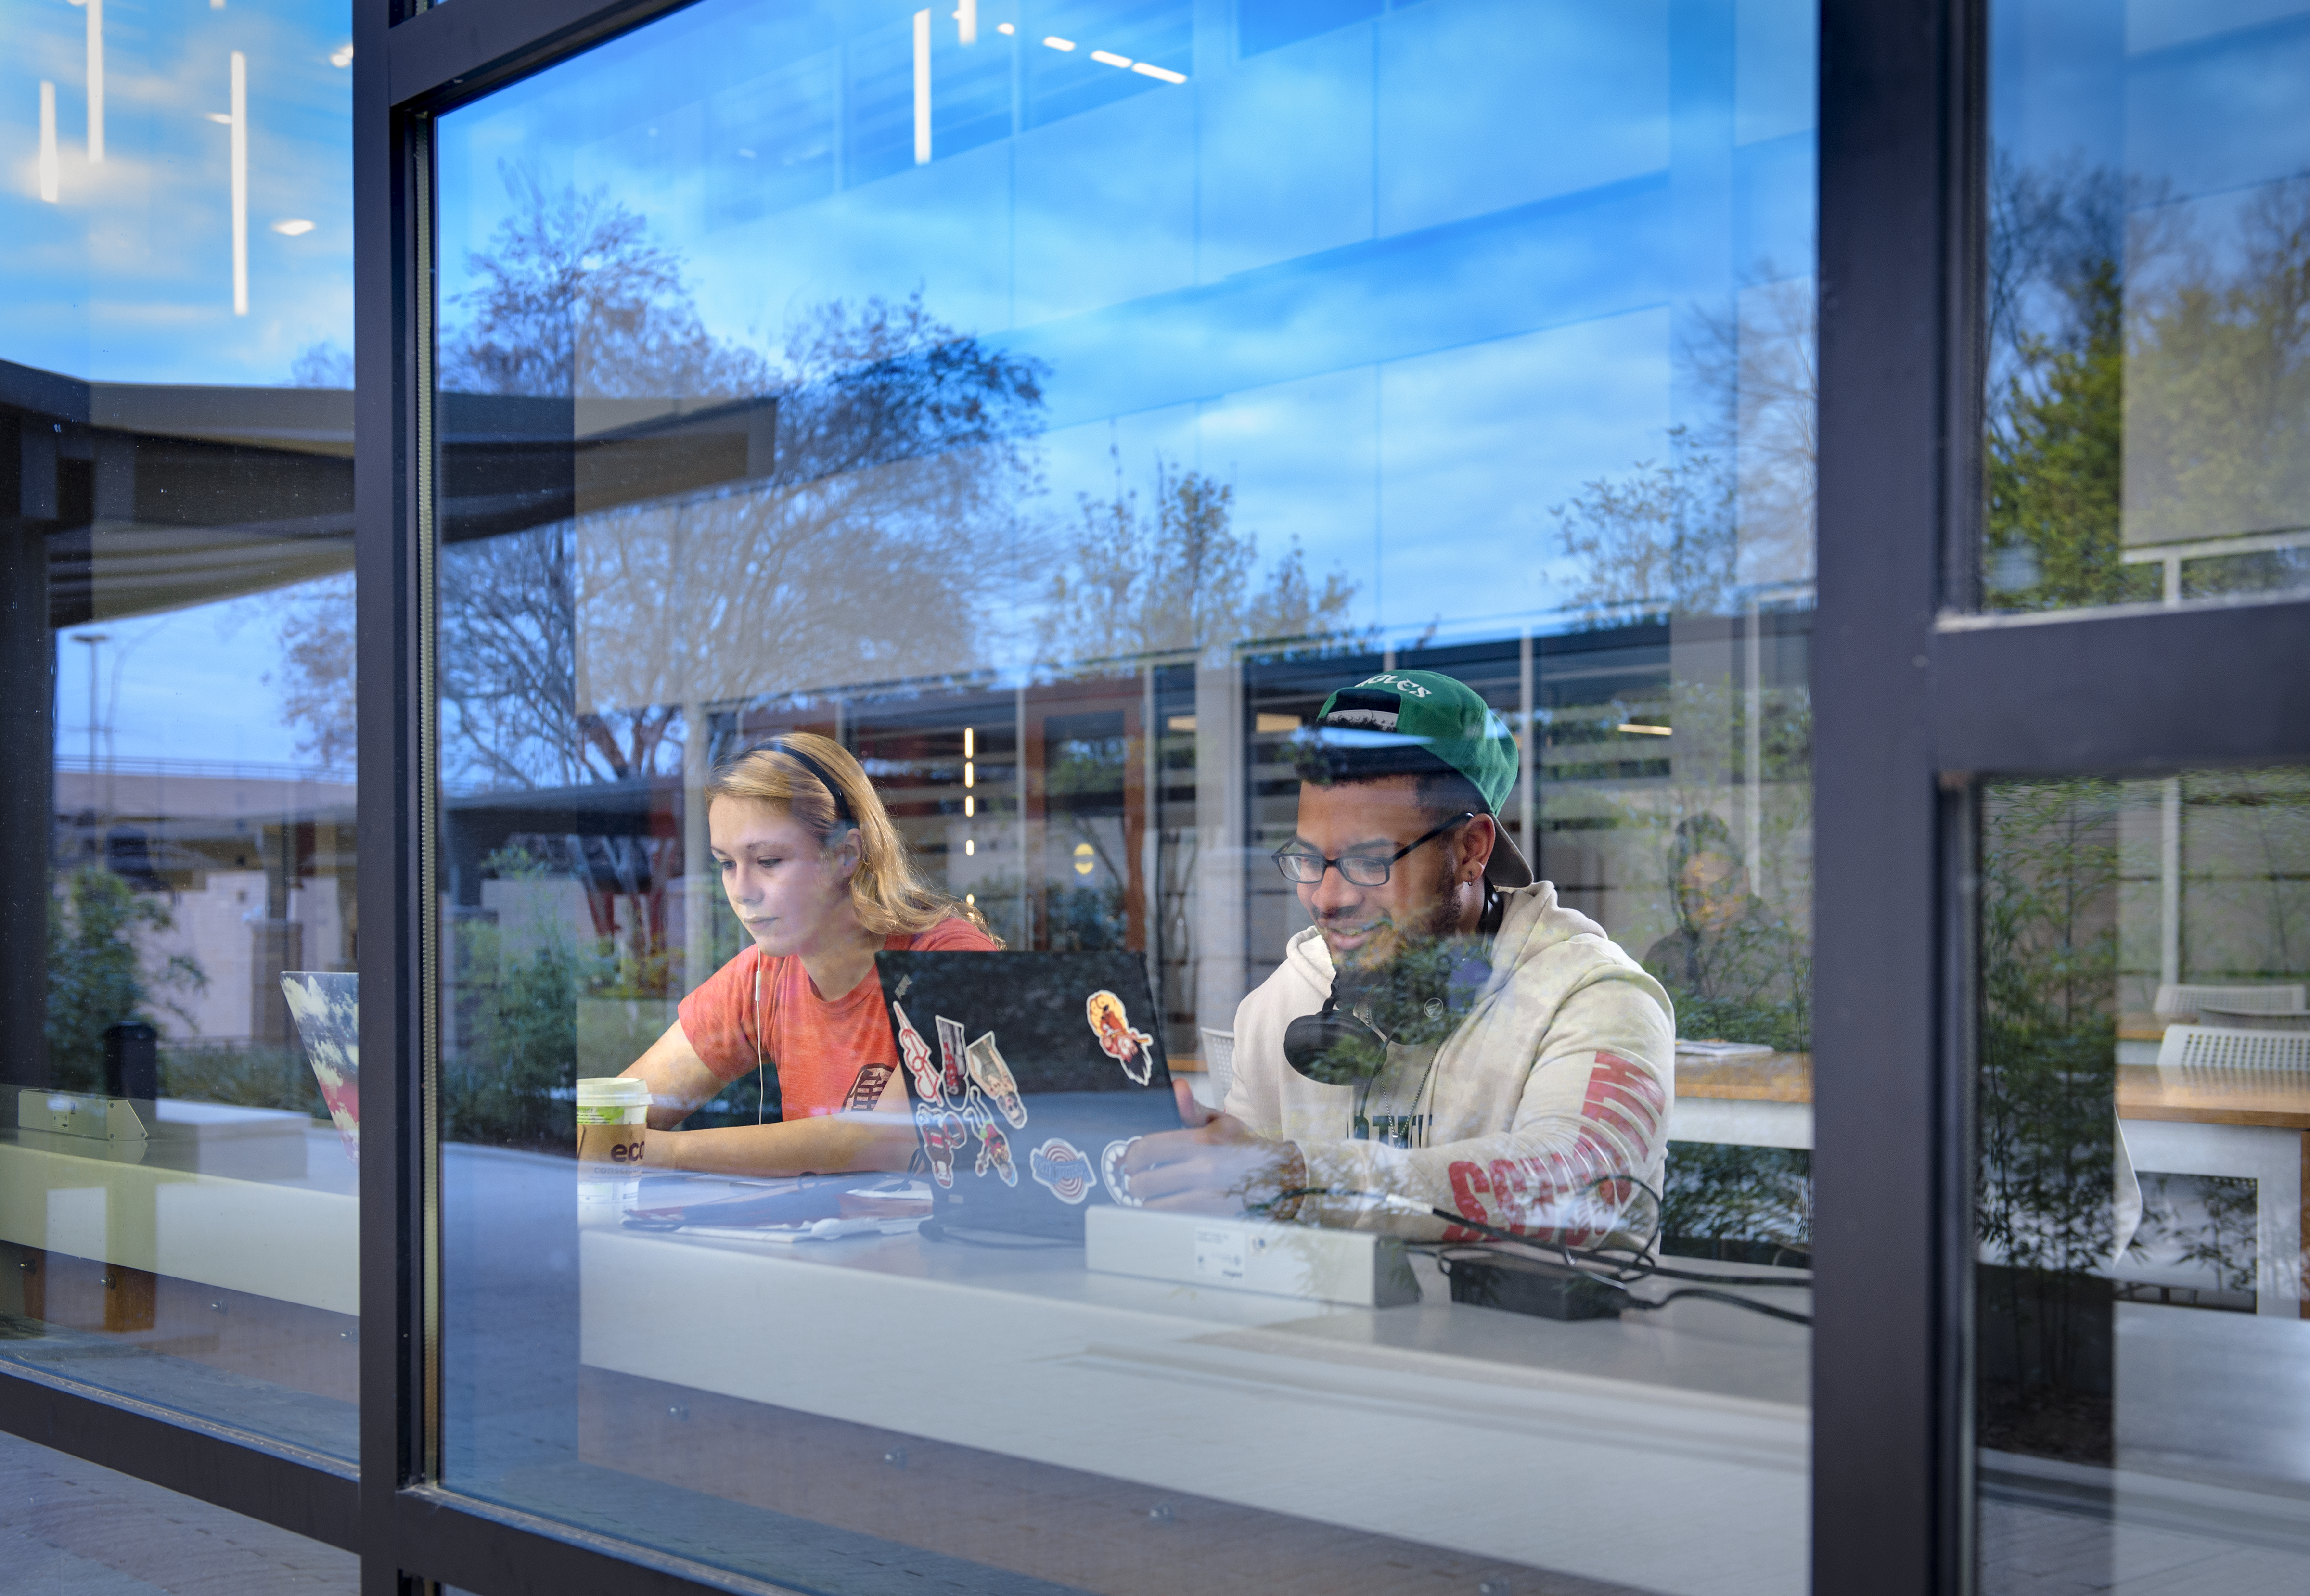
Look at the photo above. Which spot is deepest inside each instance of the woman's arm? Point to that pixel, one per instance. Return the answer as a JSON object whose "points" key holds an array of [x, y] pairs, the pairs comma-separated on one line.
{"points": [[822, 1144], [679, 1080]]}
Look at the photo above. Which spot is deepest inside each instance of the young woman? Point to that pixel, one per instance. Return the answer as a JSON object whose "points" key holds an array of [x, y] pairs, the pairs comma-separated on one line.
{"points": [[820, 878]]}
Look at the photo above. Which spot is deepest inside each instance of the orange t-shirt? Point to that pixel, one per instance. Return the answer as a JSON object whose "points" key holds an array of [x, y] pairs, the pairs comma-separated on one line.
{"points": [[829, 1056]]}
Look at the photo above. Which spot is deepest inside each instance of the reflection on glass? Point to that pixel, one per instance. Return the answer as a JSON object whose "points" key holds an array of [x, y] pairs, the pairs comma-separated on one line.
{"points": [[2148, 396], [77, 1527], [177, 1209], [1148, 672], [2145, 1046]]}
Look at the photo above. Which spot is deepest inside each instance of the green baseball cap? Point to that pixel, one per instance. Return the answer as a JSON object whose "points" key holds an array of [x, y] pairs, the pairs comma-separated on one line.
{"points": [[1430, 713]]}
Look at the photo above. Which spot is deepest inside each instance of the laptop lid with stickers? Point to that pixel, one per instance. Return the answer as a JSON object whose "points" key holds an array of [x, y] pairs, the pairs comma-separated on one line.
{"points": [[1028, 1074]]}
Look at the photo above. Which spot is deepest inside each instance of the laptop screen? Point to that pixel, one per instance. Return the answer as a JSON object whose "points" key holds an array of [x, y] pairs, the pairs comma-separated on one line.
{"points": [[1029, 1073]]}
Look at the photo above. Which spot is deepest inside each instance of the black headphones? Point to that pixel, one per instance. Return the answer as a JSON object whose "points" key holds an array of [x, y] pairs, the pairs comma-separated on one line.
{"points": [[1334, 1045]]}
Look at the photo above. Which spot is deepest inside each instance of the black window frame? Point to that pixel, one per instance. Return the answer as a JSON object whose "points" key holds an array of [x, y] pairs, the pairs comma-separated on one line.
{"points": [[1917, 698]]}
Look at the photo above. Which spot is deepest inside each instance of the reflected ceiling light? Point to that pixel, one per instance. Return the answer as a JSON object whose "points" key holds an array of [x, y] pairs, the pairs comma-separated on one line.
{"points": [[1056, 43], [1157, 72], [1637, 726], [1180, 723], [923, 88], [966, 21], [1109, 58], [969, 805], [1277, 723], [342, 56], [1004, 28], [224, 117], [95, 81], [969, 846], [240, 119], [969, 743], [49, 142], [294, 227], [969, 774]]}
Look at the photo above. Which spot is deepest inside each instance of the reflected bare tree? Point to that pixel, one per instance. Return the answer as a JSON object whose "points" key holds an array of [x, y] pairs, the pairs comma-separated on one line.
{"points": [[1174, 577]]}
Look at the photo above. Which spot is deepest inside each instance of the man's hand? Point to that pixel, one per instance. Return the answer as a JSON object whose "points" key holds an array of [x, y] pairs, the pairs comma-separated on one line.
{"points": [[1219, 1166]]}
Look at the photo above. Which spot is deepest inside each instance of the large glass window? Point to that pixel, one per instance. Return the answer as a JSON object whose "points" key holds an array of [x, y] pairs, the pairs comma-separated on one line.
{"points": [[1015, 579], [2148, 394], [2144, 1043], [177, 1208]]}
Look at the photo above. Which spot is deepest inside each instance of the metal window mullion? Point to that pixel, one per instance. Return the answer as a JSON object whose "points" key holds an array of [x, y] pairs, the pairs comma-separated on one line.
{"points": [[450, 52], [2134, 691], [392, 406], [1897, 107]]}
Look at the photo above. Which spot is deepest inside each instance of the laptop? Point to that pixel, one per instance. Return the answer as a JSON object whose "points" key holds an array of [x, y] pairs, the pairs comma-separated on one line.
{"points": [[1030, 1074], [326, 1007]]}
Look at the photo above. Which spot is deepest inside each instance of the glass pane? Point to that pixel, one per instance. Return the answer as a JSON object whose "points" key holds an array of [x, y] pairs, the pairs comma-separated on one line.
{"points": [[73, 1527], [1108, 442], [2149, 394], [2144, 1104], [176, 1211]]}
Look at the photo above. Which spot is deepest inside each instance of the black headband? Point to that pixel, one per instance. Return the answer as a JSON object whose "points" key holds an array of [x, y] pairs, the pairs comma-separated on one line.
{"points": [[841, 804]]}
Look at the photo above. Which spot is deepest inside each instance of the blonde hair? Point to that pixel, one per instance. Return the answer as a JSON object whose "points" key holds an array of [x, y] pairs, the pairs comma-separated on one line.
{"points": [[887, 894]]}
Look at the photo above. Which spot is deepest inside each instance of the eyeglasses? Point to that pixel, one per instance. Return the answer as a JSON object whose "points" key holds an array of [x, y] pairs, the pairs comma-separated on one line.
{"points": [[1304, 866]]}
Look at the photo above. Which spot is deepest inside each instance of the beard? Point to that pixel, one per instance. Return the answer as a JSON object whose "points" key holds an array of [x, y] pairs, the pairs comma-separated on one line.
{"points": [[1391, 940]]}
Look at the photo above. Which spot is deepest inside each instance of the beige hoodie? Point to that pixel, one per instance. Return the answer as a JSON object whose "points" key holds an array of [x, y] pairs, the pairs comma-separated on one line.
{"points": [[1560, 1076]]}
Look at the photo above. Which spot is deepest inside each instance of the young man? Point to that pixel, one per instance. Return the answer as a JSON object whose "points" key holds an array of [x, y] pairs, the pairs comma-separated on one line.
{"points": [[1446, 1035]]}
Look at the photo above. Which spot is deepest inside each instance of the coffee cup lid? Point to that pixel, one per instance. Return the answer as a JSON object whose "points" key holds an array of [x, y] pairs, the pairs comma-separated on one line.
{"points": [[613, 1092]]}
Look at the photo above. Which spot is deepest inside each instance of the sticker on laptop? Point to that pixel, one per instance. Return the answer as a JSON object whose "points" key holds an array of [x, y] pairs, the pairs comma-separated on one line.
{"points": [[918, 1054], [988, 1071], [994, 1153], [943, 1140], [1057, 1164], [951, 1065], [975, 1110], [867, 1089], [1133, 1049], [1111, 1175]]}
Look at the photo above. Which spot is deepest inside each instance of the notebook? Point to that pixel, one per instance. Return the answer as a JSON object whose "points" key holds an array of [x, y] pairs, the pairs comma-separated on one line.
{"points": [[1029, 1075]]}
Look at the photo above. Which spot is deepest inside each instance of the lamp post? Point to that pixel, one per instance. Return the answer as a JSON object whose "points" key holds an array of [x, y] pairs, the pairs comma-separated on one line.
{"points": [[95, 641]]}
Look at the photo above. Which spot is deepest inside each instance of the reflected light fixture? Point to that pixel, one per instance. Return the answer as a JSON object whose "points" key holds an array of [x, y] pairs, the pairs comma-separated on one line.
{"points": [[1109, 58], [342, 57], [970, 847], [49, 142], [95, 81], [240, 119], [1638, 726], [222, 118], [969, 805], [296, 227], [1056, 43], [923, 88], [969, 774], [1159, 72], [966, 21], [1004, 28], [970, 900]]}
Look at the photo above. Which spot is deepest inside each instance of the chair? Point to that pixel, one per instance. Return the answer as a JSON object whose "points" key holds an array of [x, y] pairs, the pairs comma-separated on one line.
{"points": [[1219, 1062], [2174, 1001], [2219, 1056]]}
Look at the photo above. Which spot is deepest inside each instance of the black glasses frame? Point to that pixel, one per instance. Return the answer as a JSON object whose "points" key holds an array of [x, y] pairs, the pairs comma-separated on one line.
{"points": [[1387, 866]]}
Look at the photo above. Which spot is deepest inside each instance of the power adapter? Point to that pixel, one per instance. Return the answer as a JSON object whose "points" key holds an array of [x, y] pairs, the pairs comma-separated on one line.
{"points": [[1527, 1286]]}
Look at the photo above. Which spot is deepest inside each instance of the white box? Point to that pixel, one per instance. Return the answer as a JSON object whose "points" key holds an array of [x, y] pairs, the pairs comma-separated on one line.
{"points": [[1356, 1267]]}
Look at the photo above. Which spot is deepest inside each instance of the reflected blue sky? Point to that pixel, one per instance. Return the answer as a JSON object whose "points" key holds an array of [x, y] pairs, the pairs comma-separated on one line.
{"points": [[1406, 275], [128, 276]]}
